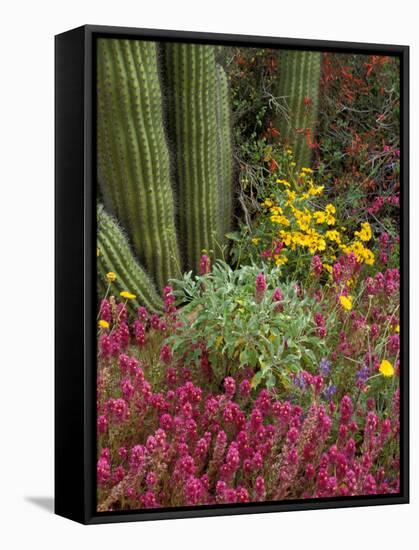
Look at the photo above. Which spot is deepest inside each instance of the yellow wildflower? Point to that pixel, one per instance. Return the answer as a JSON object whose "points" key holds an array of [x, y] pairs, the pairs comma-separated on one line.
{"points": [[397, 329], [346, 302], [315, 190], [365, 234], [285, 237], [268, 203], [280, 259], [306, 170], [369, 257], [291, 196], [293, 164], [103, 324], [255, 240], [333, 236], [328, 268], [330, 210], [111, 276], [319, 216], [386, 368], [303, 219], [280, 219], [284, 182], [127, 295]]}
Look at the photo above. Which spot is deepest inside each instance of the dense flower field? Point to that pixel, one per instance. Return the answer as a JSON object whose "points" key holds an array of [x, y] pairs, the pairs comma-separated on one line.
{"points": [[272, 371]]}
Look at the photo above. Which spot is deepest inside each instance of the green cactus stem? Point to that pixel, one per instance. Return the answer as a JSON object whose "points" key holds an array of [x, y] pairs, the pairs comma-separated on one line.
{"points": [[114, 254], [299, 78], [224, 153], [132, 152], [198, 109]]}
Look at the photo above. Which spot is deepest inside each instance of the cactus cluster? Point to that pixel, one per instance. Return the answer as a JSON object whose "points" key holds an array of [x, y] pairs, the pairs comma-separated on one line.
{"points": [[115, 255], [199, 114], [134, 159], [164, 138], [133, 156], [298, 84]]}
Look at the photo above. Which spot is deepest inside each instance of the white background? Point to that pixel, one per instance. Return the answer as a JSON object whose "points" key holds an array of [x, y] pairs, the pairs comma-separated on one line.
{"points": [[26, 272]]}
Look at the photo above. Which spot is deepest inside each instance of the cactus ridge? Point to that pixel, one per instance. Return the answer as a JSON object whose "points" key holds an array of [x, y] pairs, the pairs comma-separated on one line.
{"points": [[133, 156], [198, 99], [116, 255], [299, 79]]}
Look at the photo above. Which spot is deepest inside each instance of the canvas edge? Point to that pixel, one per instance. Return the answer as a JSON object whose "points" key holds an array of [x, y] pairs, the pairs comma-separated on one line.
{"points": [[84, 510]]}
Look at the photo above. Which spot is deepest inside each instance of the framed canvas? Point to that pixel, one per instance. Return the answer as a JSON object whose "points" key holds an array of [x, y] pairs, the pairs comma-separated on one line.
{"points": [[231, 274]]}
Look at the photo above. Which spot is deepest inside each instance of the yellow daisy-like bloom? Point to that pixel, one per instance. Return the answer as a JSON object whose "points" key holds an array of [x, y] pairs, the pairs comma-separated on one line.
{"points": [[333, 236], [319, 216], [386, 368], [291, 196], [285, 237], [127, 295], [305, 170], [111, 276], [303, 219], [282, 220], [284, 182], [346, 302], [328, 268], [315, 190], [365, 234], [103, 324], [330, 210], [397, 329], [280, 260], [268, 203], [255, 240]]}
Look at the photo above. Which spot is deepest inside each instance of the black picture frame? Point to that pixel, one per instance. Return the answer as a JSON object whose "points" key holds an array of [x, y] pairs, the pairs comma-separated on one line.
{"points": [[75, 290]]}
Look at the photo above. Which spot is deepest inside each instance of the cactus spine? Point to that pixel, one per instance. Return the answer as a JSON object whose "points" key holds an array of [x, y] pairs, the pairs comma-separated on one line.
{"points": [[299, 84], [198, 107], [132, 152], [115, 255]]}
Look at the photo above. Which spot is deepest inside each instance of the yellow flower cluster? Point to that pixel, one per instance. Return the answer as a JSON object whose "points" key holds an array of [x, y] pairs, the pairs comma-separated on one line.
{"points": [[326, 215], [365, 234], [363, 255], [277, 216], [309, 239], [301, 225]]}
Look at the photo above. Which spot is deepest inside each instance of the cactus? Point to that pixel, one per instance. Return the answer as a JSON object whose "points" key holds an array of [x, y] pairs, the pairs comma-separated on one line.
{"points": [[199, 115], [299, 85], [224, 153], [114, 254], [132, 152]]}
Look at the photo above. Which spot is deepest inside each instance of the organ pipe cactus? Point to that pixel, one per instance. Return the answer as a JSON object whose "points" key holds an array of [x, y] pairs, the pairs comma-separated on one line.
{"points": [[199, 114], [114, 254], [299, 85], [224, 153], [132, 152]]}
